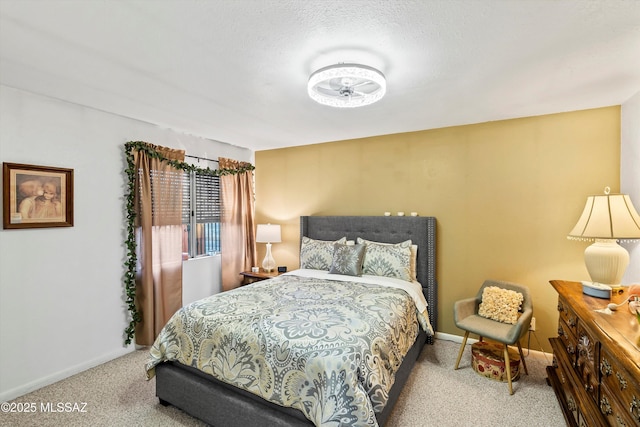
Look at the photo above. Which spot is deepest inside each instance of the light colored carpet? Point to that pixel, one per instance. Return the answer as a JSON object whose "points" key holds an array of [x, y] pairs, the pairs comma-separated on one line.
{"points": [[117, 394]]}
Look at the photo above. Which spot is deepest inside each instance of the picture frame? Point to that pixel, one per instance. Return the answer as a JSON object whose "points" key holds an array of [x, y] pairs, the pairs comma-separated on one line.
{"points": [[36, 196]]}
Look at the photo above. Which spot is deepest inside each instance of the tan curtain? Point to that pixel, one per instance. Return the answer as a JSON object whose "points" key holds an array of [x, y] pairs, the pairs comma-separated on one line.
{"points": [[237, 240], [158, 204]]}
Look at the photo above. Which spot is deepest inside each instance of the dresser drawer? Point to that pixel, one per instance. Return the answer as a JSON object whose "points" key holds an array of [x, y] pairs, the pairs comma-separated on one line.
{"points": [[566, 386], [619, 390], [587, 361], [568, 316], [614, 412], [568, 340]]}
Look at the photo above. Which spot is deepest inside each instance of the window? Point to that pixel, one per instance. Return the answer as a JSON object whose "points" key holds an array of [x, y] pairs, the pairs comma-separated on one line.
{"points": [[201, 214]]}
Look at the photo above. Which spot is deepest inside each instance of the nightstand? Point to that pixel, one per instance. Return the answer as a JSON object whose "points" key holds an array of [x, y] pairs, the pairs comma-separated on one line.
{"points": [[251, 277]]}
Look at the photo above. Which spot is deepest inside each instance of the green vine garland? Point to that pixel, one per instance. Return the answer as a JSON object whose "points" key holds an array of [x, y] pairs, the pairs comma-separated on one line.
{"points": [[130, 241]]}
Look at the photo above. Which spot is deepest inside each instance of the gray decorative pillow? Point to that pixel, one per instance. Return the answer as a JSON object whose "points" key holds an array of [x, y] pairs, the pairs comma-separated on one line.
{"points": [[317, 254], [347, 259], [388, 260]]}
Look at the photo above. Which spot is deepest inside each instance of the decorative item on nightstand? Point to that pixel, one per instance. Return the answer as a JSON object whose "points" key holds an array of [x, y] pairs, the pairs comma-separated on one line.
{"points": [[268, 233], [606, 219]]}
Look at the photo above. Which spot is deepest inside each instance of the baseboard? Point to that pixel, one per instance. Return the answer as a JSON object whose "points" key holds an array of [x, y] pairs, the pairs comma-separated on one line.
{"points": [[455, 338], [458, 339], [61, 375]]}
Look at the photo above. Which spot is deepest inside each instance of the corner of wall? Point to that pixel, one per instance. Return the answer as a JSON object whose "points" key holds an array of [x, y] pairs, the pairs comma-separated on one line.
{"points": [[630, 174]]}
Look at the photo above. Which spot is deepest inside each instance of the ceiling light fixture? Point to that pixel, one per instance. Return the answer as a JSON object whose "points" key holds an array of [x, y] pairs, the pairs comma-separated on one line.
{"points": [[347, 85]]}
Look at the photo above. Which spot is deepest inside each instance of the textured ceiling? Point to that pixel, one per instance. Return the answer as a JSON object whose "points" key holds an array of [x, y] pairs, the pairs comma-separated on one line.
{"points": [[236, 71]]}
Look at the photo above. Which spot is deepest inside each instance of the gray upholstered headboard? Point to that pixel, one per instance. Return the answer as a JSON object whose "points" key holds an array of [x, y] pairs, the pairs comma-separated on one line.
{"points": [[394, 229]]}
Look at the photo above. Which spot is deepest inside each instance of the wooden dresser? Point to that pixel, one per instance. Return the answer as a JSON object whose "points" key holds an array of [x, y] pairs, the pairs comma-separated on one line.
{"points": [[596, 360]]}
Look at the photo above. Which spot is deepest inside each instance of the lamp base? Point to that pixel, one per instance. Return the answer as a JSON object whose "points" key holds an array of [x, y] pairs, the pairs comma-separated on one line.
{"points": [[268, 264], [606, 261]]}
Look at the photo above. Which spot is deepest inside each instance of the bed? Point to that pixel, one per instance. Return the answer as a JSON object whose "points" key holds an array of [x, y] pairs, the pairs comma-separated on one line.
{"points": [[196, 391]]}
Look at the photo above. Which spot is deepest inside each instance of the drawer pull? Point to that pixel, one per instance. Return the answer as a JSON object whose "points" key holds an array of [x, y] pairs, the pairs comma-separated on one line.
{"points": [[634, 408], [605, 367], [572, 321], [571, 349], [605, 407], [621, 381]]}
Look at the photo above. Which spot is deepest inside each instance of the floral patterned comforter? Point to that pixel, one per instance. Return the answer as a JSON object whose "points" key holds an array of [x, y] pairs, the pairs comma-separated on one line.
{"points": [[329, 348]]}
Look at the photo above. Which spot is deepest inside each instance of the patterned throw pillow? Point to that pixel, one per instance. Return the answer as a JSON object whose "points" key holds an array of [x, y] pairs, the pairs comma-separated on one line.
{"points": [[501, 305], [347, 259], [317, 254], [388, 260]]}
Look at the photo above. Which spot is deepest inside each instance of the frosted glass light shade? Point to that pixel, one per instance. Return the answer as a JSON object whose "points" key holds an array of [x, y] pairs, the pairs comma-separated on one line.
{"points": [[347, 85]]}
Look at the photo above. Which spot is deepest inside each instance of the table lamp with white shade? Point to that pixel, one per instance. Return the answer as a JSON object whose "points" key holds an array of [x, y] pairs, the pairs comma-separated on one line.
{"points": [[268, 233], [606, 219]]}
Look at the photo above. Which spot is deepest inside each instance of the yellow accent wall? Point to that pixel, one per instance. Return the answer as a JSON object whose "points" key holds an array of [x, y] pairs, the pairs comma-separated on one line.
{"points": [[505, 195]]}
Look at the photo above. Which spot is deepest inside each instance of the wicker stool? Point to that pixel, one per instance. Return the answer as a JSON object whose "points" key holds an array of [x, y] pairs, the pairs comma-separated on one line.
{"points": [[487, 359]]}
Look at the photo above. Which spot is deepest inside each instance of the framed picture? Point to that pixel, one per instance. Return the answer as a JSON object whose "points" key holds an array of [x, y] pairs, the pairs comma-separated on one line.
{"points": [[36, 196]]}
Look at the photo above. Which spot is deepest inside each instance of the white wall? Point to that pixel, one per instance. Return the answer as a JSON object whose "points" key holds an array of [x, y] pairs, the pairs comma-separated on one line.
{"points": [[630, 175], [62, 306]]}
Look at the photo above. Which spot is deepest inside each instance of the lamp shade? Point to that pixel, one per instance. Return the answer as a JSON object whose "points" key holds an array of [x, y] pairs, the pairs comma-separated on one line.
{"points": [[268, 233], [609, 216]]}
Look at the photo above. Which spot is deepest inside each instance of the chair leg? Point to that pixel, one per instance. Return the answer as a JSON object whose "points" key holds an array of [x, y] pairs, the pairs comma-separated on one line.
{"points": [[524, 364], [507, 367], [464, 342]]}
